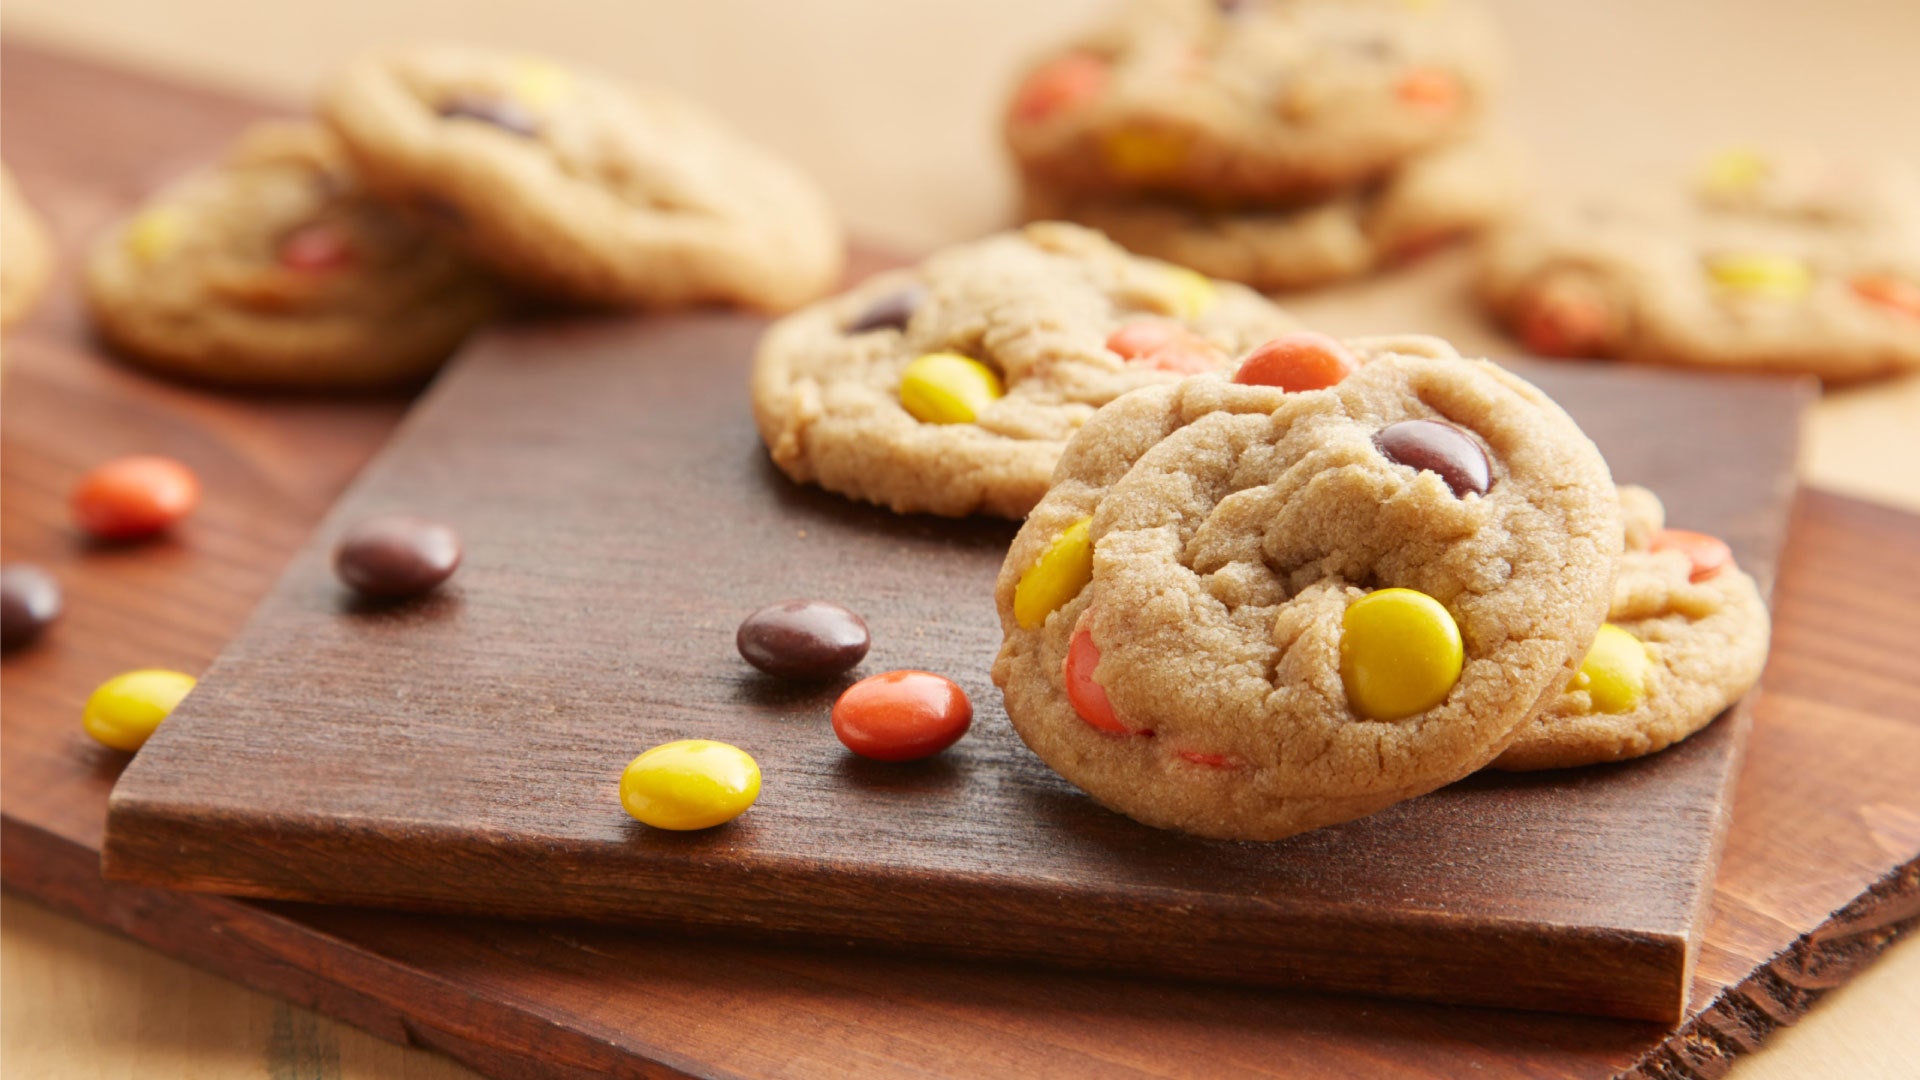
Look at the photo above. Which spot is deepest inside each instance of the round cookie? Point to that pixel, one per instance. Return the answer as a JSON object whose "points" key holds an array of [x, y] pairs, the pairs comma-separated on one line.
{"points": [[569, 183], [1687, 636], [1797, 268], [1427, 201], [1256, 102], [1310, 626], [275, 269], [952, 388], [26, 258]]}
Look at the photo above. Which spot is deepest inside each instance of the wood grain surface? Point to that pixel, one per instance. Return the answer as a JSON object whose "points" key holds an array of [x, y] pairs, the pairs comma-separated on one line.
{"points": [[1827, 803]]}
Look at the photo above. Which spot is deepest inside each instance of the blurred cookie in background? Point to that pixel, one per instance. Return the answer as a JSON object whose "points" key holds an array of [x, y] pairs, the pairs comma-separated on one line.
{"points": [[573, 185], [1783, 263], [275, 269], [26, 256]]}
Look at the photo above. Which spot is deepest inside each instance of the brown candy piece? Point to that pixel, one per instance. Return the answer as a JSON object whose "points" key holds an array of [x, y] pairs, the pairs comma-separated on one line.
{"points": [[502, 113], [803, 639], [396, 555], [891, 312], [29, 603], [1437, 447]]}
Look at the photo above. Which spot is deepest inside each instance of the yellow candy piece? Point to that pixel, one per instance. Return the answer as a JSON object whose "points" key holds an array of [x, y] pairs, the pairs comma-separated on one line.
{"points": [[1733, 171], [152, 234], [124, 711], [1056, 577], [1614, 674], [540, 83], [947, 388], [1780, 276], [690, 784], [1193, 292], [1141, 153], [1400, 654]]}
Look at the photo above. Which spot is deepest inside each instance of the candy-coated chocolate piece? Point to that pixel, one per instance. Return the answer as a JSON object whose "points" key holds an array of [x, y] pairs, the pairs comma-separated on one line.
{"points": [[1056, 577], [540, 83], [1067, 83], [1429, 89], [124, 711], [1566, 320], [1164, 345], [891, 312], [1708, 554], [1614, 673], [503, 113], [1201, 757], [690, 784], [131, 498], [1781, 277], [1143, 153], [947, 388], [803, 639], [396, 555], [902, 715], [1084, 693], [1895, 294], [1296, 362], [1400, 654], [29, 603], [316, 248], [155, 233], [1438, 447], [1193, 292], [1734, 170]]}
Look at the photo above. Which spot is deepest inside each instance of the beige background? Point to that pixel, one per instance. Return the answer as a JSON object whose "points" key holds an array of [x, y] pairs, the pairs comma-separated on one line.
{"points": [[891, 104]]}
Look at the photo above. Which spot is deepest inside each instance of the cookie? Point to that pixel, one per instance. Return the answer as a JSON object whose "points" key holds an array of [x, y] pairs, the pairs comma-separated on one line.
{"points": [[1686, 636], [1244, 611], [275, 269], [26, 259], [572, 184], [1779, 265], [1432, 198], [1259, 102], [952, 388]]}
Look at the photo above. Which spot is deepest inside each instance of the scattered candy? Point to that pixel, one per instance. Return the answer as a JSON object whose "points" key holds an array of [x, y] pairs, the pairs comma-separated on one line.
{"points": [[1056, 577], [690, 784], [902, 715], [1614, 673], [124, 711], [1780, 277], [1437, 447], [947, 388], [154, 233], [1567, 320], [316, 248], [1400, 654], [1193, 292], [29, 603], [131, 498], [1708, 554], [803, 639], [502, 113], [1164, 345], [891, 312], [1067, 83], [1429, 89], [1895, 294], [1086, 695], [1296, 362], [396, 555], [1142, 154]]}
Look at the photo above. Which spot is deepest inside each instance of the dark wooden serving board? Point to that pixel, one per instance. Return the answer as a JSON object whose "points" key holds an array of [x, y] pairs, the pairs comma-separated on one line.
{"points": [[461, 752], [1821, 868]]}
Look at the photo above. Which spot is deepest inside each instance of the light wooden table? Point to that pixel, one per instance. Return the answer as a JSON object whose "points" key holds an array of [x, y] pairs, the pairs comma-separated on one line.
{"points": [[891, 106]]}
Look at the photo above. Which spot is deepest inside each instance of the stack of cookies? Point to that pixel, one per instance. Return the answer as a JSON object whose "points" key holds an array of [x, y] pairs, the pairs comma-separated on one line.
{"points": [[1279, 143], [359, 250]]}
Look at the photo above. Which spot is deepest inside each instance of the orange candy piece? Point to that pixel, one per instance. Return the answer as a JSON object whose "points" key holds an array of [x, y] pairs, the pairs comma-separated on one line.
{"points": [[1295, 362], [131, 498], [1211, 761], [1708, 554], [1892, 293], [1164, 345], [1430, 89], [316, 248], [1066, 83], [1088, 697], [902, 715], [1566, 323]]}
